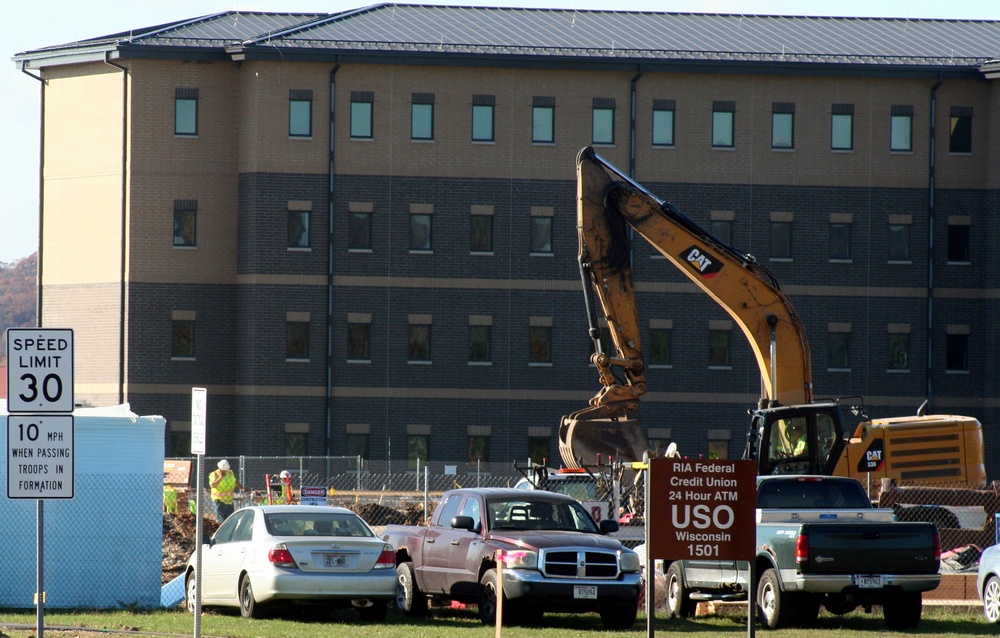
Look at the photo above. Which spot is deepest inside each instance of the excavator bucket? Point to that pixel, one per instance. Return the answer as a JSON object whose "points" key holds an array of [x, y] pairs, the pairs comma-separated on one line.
{"points": [[587, 441]]}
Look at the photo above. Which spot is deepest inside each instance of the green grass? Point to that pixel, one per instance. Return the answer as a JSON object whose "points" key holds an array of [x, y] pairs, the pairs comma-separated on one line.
{"points": [[937, 622]]}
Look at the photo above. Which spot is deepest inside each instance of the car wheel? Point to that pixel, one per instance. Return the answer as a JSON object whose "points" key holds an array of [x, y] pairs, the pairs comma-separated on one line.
{"points": [[488, 597], [248, 606], [375, 613], [774, 607], [991, 600], [190, 593], [619, 615], [902, 611], [679, 604], [409, 599]]}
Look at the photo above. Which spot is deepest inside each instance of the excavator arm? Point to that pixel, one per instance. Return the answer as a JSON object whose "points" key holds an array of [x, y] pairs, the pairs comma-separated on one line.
{"points": [[609, 205]]}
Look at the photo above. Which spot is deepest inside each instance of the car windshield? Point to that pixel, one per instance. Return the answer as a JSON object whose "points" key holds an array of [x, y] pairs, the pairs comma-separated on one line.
{"points": [[316, 524], [532, 514]]}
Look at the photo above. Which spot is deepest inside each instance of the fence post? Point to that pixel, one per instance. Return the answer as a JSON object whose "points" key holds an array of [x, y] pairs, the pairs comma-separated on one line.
{"points": [[358, 466], [426, 494]]}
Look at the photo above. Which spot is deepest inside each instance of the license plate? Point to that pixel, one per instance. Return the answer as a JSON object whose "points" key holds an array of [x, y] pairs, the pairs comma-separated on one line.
{"points": [[334, 560], [868, 582], [585, 591]]}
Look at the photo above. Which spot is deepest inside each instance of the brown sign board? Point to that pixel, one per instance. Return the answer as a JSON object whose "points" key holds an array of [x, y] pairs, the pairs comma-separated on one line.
{"points": [[702, 509], [176, 473]]}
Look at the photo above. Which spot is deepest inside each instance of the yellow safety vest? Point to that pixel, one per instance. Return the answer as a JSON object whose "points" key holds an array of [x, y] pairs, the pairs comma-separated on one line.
{"points": [[223, 492]]}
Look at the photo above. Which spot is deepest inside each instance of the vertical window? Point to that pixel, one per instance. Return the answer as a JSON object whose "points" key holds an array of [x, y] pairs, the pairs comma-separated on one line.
{"points": [[179, 443], [481, 234], [899, 347], [722, 229], [538, 449], [418, 447], [901, 128], [660, 334], [899, 238], [296, 443], [300, 122], [479, 448], [480, 339], [781, 236], [840, 236], [541, 229], [723, 124], [782, 125], [359, 226], [297, 336], [960, 130], [718, 448], [420, 338], [959, 239], [543, 119], [185, 222], [839, 346], [420, 232], [957, 349], [603, 123], [362, 108], [356, 444], [185, 111], [422, 116], [718, 345], [842, 127], [540, 340], [298, 228], [182, 340], [663, 122], [483, 107], [359, 328]]}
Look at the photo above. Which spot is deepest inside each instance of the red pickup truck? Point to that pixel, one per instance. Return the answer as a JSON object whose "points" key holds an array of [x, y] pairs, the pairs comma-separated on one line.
{"points": [[555, 557]]}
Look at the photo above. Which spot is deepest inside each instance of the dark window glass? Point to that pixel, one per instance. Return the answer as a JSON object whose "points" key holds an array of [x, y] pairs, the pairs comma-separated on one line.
{"points": [[357, 445], [182, 344], [960, 138], [185, 223], [718, 347], [479, 449], [359, 231], [358, 341], [297, 346], [899, 351], [541, 234], [479, 343], [957, 356], [781, 240], [538, 449], [958, 243], [540, 346], [659, 346], [481, 233], [840, 241], [723, 230], [840, 349], [420, 232], [899, 242], [296, 443], [298, 228], [420, 342], [418, 448]]}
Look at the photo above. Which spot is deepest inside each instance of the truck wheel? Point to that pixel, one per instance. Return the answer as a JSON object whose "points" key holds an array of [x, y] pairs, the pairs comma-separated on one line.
{"points": [[679, 604], [409, 599], [902, 611], [991, 600], [619, 616], [774, 608], [488, 598]]}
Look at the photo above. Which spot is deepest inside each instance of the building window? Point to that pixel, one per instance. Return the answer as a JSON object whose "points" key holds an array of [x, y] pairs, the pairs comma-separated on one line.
{"points": [[179, 443], [781, 239], [186, 112], [359, 228], [362, 109], [182, 344], [722, 229], [296, 443], [481, 233], [957, 350], [899, 241], [359, 337], [901, 128], [959, 239], [603, 123], [186, 223], [300, 113], [297, 339], [418, 448], [960, 130], [480, 340], [718, 448], [782, 126], [422, 116], [541, 230], [538, 449], [899, 351], [663, 122], [718, 347], [420, 232], [543, 119], [298, 228], [659, 345], [483, 107], [479, 449], [357, 445], [420, 340], [840, 238], [540, 340], [723, 124], [842, 127], [839, 348]]}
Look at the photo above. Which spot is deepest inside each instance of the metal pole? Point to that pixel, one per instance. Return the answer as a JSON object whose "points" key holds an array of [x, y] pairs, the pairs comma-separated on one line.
{"points": [[40, 574], [197, 548]]}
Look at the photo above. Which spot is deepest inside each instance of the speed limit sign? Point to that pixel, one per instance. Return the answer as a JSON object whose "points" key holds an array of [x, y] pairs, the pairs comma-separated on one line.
{"points": [[39, 370]]}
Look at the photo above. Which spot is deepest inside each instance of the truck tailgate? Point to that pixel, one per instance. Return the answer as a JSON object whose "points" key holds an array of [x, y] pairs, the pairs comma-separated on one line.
{"points": [[881, 548]]}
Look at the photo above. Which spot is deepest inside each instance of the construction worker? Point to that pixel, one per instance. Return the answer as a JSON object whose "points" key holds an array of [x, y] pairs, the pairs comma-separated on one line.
{"points": [[224, 485]]}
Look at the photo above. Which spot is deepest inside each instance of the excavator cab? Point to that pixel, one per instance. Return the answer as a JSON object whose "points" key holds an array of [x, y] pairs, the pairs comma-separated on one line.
{"points": [[805, 439]]}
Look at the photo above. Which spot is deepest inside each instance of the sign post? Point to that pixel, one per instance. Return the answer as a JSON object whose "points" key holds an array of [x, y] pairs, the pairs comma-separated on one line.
{"points": [[199, 412]]}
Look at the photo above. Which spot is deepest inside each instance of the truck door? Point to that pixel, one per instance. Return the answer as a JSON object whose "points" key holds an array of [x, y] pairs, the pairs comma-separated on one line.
{"points": [[437, 546]]}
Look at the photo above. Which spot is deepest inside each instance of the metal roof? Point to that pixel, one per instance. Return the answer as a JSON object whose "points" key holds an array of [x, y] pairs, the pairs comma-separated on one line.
{"points": [[557, 34]]}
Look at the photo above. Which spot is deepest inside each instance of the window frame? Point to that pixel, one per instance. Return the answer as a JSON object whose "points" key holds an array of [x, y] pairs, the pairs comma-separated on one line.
{"points": [[897, 230], [602, 122], [185, 218], [960, 130], [959, 244], [297, 340], [480, 344], [362, 108], [720, 344], [421, 221], [783, 113], [483, 119], [187, 97], [723, 124], [419, 343], [481, 234], [838, 350], [901, 126], [776, 239], [359, 227], [840, 233], [359, 341], [422, 117], [540, 225], [183, 325], [540, 345], [299, 99], [956, 352], [841, 115], [303, 219], [543, 112], [898, 351], [663, 133], [660, 347]]}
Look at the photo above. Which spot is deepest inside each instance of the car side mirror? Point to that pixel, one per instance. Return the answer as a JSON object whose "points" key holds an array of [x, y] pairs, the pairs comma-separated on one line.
{"points": [[463, 522], [608, 526]]}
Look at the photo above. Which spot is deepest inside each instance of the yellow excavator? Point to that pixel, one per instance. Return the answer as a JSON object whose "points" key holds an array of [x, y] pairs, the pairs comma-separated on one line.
{"points": [[789, 431]]}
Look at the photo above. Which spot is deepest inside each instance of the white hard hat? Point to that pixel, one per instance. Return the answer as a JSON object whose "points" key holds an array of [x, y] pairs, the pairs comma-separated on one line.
{"points": [[224, 465], [285, 474]]}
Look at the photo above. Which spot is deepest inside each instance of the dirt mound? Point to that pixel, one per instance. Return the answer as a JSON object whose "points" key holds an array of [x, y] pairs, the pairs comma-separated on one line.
{"points": [[178, 541], [378, 515]]}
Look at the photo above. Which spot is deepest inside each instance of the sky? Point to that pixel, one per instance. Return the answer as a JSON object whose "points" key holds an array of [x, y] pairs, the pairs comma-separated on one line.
{"points": [[32, 25]]}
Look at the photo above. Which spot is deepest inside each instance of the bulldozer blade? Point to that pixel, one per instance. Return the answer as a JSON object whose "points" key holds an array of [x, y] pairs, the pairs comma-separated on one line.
{"points": [[589, 441]]}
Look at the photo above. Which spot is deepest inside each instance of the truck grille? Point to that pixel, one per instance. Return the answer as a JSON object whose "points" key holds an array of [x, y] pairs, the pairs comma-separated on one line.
{"points": [[579, 564]]}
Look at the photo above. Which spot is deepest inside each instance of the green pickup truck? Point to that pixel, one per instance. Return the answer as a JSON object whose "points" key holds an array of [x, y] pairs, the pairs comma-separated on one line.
{"points": [[819, 542]]}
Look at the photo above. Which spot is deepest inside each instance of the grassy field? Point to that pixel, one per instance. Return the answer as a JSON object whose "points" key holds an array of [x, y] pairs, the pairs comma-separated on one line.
{"points": [[937, 622]]}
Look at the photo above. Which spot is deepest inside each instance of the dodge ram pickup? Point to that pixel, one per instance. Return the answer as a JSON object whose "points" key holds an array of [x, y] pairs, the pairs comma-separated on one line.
{"points": [[819, 542], [555, 558]]}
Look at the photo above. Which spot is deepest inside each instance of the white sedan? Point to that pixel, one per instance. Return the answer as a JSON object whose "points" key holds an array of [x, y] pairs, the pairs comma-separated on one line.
{"points": [[263, 556], [988, 583]]}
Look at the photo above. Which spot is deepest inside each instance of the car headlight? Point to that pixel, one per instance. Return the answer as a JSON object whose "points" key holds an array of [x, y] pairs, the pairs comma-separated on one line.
{"points": [[629, 561], [520, 559]]}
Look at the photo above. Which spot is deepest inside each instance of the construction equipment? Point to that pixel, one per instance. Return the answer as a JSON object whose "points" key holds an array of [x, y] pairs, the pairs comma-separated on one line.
{"points": [[915, 449]]}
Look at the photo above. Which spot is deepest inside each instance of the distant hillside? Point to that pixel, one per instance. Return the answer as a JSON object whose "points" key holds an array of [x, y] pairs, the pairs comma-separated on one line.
{"points": [[17, 297]]}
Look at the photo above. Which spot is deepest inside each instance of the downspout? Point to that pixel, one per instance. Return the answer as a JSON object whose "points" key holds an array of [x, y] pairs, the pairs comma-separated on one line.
{"points": [[41, 191], [329, 264], [631, 124], [124, 225], [931, 183]]}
